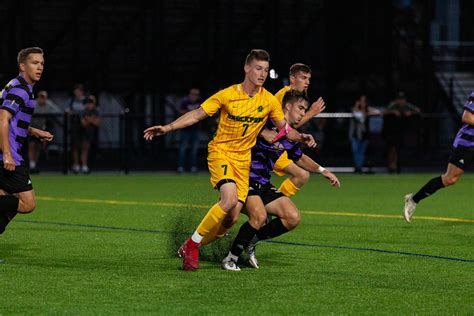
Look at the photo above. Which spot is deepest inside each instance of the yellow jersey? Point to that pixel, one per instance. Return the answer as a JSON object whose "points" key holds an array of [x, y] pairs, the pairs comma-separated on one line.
{"points": [[281, 93], [241, 118]]}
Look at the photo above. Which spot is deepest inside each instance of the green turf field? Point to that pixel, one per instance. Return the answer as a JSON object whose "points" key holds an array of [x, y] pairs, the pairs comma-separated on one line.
{"points": [[104, 244]]}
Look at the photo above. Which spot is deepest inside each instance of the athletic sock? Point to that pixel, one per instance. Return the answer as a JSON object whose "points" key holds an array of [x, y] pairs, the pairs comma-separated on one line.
{"points": [[288, 188], [8, 210], [211, 236], [215, 233], [243, 238], [271, 230], [213, 217], [428, 189]]}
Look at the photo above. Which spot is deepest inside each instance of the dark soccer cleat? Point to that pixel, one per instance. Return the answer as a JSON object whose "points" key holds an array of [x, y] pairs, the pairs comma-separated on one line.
{"points": [[229, 264], [189, 251]]}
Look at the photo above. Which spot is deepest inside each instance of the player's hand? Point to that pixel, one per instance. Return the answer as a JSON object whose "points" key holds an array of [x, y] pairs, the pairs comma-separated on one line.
{"points": [[268, 135], [308, 139], [317, 107], [44, 136], [8, 162], [153, 131], [332, 178]]}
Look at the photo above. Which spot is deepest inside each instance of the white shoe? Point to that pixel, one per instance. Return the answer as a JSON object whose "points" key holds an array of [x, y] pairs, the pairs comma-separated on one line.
{"points": [[229, 264], [410, 207], [76, 168], [85, 169], [250, 250]]}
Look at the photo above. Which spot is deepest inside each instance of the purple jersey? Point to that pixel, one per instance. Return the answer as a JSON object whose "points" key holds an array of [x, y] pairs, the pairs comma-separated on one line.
{"points": [[17, 98], [264, 156], [465, 136]]}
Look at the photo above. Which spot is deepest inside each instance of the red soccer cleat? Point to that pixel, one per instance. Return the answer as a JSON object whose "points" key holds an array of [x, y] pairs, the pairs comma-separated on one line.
{"points": [[189, 251]]}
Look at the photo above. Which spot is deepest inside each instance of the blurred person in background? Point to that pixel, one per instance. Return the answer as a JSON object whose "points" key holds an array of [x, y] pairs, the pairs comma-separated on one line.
{"points": [[359, 129], [43, 119], [397, 118], [74, 109], [189, 136], [90, 122]]}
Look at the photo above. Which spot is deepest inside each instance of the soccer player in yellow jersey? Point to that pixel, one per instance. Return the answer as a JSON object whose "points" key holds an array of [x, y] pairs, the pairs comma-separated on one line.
{"points": [[244, 109], [300, 75]]}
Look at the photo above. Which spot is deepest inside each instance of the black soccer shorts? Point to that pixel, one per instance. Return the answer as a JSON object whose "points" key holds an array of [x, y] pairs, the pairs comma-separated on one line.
{"points": [[15, 181], [462, 157], [267, 192]]}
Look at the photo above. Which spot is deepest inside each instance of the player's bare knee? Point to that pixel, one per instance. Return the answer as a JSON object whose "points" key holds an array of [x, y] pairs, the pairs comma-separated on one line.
{"points": [[303, 176], [294, 221], [26, 207], [228, 203], [449, 180], [258, 220]]}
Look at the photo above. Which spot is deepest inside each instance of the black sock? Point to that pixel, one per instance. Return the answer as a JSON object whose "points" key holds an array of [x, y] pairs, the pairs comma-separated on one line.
{"points": [[8, 210], [243, 238], [429, 188], [271, 230]]}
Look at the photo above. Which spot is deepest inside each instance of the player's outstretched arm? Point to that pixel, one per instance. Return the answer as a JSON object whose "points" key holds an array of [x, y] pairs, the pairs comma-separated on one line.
{"points": [[310, 165], [317, 107], [44, 136], [185, 120]]}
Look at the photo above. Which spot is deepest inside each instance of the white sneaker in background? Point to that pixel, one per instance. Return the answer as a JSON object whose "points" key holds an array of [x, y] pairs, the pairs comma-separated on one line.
{"points": [[409, 208], [85, 169], [76, 168]]}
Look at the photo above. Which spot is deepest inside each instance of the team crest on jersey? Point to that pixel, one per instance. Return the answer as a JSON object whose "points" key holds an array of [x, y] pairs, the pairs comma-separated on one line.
{"points": [[260, 108]]}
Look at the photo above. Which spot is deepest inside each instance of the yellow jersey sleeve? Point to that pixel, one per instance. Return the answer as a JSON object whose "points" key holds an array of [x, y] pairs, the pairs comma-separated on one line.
{"points": [[276, 109], [281, 93], [214, 102]]}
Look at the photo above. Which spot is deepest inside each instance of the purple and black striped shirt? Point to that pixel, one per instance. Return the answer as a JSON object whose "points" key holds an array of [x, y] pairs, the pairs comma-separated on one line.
{"points": [[17, 98], [264, 156], [465, 136]]}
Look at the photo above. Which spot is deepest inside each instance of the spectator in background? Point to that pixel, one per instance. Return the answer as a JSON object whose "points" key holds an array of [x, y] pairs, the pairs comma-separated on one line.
{"points": [[189, 136], [397, 119], [90, 121], [75, 108], [43, 119], [359, 129]]}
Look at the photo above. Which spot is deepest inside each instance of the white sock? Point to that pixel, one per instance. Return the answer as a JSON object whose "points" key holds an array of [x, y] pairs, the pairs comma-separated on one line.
{"points": [[196, 237]]}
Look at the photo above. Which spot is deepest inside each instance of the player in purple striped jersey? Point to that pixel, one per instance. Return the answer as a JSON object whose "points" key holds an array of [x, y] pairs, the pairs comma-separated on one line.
{"points": [[17, 105], [462, 157], [263, 197]]}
